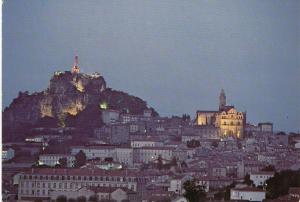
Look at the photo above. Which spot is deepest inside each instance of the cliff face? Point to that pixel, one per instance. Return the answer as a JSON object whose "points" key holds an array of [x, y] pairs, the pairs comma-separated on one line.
{"points": [[67, 95]]}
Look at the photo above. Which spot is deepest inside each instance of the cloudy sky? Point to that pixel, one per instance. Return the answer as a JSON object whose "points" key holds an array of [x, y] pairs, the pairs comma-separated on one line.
{"points": [[177, 55]]}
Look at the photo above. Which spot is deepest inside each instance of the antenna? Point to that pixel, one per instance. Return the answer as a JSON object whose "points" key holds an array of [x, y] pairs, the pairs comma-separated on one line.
{"points": [[76, 61], [75, 68]]}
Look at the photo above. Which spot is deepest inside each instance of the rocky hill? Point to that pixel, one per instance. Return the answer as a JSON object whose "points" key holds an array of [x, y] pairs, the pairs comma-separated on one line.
{"points": [[70, 99]]}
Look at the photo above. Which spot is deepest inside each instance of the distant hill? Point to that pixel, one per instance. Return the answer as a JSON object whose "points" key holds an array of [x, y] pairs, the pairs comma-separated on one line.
{"points": [[70, 100]]}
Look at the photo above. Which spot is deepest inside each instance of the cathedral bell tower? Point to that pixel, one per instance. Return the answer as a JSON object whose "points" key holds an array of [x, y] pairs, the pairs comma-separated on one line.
{"points": [[222, 100]]}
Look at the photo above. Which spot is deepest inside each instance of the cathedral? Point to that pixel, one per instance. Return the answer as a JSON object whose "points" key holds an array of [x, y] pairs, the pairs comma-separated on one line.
{"points": [[229, 121]]}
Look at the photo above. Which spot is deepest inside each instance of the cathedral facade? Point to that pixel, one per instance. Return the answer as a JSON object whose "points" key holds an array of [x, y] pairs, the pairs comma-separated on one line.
{"points": [[230, 121]]}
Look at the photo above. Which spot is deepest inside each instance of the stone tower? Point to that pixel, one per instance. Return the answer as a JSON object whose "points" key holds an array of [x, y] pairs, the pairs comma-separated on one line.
{"points": [[222, 100]]}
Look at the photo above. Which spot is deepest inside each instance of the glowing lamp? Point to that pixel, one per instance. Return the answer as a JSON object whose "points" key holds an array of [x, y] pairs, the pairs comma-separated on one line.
{"points": [[103, 105]]}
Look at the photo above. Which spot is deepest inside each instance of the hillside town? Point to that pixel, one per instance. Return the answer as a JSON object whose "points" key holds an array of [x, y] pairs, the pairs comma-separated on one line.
{"points": [[146, 157]]}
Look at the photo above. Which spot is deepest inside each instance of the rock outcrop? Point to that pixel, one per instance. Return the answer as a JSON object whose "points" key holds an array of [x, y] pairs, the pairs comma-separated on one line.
{"points": [[68, 94]]}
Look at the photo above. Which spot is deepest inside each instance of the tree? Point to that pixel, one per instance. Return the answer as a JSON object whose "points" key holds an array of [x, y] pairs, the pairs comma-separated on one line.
{"points": [[269, 168], [81, 199], [93, 198], [215, 144], [247, 180], [61, 199], [193, 192], [219, 195], [281, 182], [173, 161], [159, 162], [80, 159], [183, 164], [108, 159], [186, 117], [227, 191], [63, 162], [193, 143]]}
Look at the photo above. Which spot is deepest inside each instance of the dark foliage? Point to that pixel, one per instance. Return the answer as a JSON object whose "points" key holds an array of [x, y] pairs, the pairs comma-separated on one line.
{"points": [[80, 159], [193, 192], [61, 199], [247, 180], [281, 182], [193, 144]]}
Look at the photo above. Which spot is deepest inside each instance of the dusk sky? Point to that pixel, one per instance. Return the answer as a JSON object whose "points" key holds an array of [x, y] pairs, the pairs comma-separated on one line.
{"points": [[176, 55]]}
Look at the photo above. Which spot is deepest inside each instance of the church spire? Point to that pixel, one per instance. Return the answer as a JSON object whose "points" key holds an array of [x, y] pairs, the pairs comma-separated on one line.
{"points": [[222, 100]]}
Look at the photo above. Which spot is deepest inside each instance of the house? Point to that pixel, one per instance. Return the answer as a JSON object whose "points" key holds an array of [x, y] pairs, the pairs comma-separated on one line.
{"points": [[260, 178], [7, 153], [180, 199], [110, 116], [150, 154], [247, 193], [53, 159], [176, 184], [146, 142]]}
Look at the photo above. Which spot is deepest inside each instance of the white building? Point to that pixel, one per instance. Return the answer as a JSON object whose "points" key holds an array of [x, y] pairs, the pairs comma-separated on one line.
{"points": [[150, 154], [53, 159], [146, 143], [124, 155], [266, 127], [103, 193], [92, 152], [147, 113], [7, 154], [176, 184], [180, 199], [247, 193], [259, 178], [38, 183], [110, 116], [127, 118]]}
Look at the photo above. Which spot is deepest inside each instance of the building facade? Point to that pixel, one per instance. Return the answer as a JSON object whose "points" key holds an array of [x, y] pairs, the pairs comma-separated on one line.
{"points": [[230, 121]]}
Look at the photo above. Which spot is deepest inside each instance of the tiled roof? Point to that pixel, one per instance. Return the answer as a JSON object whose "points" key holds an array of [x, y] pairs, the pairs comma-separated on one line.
{"points": [[248, 189], [89, 172]]}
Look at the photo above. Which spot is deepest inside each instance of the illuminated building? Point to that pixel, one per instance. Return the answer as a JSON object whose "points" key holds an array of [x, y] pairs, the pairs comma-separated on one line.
{"points": [[230, 121]]}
